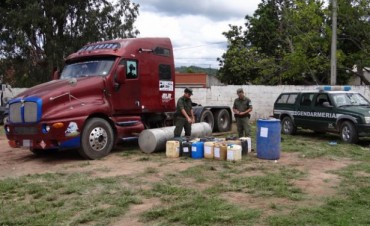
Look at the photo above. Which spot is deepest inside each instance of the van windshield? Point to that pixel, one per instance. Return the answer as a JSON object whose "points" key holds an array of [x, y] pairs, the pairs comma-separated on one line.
{"points": [[349, 99], [90, 67]]}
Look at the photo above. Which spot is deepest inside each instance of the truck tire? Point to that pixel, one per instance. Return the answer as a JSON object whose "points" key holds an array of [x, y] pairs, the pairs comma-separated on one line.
{"points": [[287, 126], [207, 117], [222, 121], [348, 132], [97, 139]]}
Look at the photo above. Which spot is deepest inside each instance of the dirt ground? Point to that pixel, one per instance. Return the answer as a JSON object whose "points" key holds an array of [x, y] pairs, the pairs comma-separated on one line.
{"points": [[18, 162]]}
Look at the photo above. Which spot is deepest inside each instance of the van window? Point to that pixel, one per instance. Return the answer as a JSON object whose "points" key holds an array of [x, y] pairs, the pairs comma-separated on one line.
{"points": [[321, 98], [306, 99], [292, 98], [131, 69], [162, 51], [283, 99], [288, 98]]}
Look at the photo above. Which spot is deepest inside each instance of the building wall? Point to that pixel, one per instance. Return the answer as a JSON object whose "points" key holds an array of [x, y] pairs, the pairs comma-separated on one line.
{"points": [[8, 92], [262, 97], [213, 81]]}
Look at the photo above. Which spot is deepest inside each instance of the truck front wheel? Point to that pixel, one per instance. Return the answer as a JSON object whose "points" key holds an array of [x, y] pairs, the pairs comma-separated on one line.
{"points": [[348, 132], [97, 139]]}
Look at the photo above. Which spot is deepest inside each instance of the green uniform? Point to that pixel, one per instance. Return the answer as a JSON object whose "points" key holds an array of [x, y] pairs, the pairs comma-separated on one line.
{"points": [[242, 122], [180, 120]]}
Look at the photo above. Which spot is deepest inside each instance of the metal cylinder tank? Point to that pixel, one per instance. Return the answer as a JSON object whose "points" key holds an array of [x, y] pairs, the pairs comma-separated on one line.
{"points": [[151, 140]]}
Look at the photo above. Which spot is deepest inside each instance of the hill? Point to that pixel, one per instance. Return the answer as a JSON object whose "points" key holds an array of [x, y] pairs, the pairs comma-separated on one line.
{"points": [[194, 69]]}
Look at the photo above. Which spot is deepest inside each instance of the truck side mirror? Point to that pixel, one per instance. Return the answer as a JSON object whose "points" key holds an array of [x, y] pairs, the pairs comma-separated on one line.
{"points": [[121, 74], [326, 104]]}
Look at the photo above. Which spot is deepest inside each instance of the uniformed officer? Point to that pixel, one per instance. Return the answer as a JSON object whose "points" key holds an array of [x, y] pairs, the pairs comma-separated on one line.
{"points": [[242, 108], [184, 115]]}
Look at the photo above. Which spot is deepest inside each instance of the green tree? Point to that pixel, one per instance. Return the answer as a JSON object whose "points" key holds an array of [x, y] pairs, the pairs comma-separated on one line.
{"points": [[37, 34], [354, 37], [307, 40], [288, 42]]}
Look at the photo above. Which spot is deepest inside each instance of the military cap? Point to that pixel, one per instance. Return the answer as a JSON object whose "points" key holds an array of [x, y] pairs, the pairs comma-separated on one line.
{"points": [[188, 90]]}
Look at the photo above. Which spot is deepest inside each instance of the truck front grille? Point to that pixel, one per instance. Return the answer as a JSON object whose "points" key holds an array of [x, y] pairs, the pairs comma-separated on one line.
{"points": [[25, 130], [25, 111], [15, 114], [30, 112]]}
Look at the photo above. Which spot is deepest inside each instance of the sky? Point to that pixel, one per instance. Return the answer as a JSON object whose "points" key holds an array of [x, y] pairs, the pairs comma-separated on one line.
{"points": [[194, 26]]}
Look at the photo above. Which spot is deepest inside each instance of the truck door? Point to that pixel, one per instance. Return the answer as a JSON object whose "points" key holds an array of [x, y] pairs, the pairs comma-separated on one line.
{"points": [[323, 110], [126, 96], [303, 115]]}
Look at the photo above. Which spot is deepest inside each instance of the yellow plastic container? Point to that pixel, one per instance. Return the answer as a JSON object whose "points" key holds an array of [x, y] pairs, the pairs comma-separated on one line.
{"points": [[234, 152], [220, 151], [173, 148], [208, 149]]}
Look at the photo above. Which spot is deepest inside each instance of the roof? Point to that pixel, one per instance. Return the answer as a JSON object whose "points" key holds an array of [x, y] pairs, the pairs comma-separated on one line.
{"points": [[319, 91], [191, 80], [122, 47]]}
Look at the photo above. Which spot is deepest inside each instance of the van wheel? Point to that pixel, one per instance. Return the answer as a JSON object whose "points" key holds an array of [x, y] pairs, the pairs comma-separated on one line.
{"points": [[207, 117], [97, 139], [348, 132], [222, 121], [287, 126]]}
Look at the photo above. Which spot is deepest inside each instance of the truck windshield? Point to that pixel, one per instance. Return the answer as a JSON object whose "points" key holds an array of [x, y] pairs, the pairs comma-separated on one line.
{"points": [[349, 99], [91, 67]]}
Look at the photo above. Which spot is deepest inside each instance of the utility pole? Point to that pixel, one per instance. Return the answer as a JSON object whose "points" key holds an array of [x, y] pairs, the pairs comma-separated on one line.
{"points": [[333, 60]]}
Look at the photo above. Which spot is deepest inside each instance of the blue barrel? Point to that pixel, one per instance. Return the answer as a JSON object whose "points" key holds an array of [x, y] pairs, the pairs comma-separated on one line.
{"points": [[197, 150], [268, 139]]}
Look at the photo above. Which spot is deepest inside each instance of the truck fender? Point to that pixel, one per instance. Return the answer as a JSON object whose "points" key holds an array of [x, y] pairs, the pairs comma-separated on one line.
{"points": [[203, 114], [343, 118], [197, 112], [283, 114]]}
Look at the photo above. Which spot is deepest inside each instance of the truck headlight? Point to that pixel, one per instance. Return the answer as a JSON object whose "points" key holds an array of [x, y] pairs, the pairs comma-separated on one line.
{"points": [[367, 120], [45, 128]]}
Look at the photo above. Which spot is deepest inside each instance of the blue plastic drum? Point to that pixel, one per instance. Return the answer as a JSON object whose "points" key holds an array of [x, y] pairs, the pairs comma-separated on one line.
{"points": [[197, 150], [268, 139]]}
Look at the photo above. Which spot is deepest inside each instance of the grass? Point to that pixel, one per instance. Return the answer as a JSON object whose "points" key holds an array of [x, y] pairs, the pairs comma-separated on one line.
{"points": [[51, 199], [349, 207], [312, 145], [207, 192], [202, 210]]}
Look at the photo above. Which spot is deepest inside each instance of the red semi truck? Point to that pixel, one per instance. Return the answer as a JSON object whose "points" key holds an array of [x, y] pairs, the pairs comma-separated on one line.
{"points": [[107, 92]]}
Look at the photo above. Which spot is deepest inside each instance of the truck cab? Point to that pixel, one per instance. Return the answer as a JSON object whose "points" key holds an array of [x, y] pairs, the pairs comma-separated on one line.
{"points": [[107, 92], [337, 111]]}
